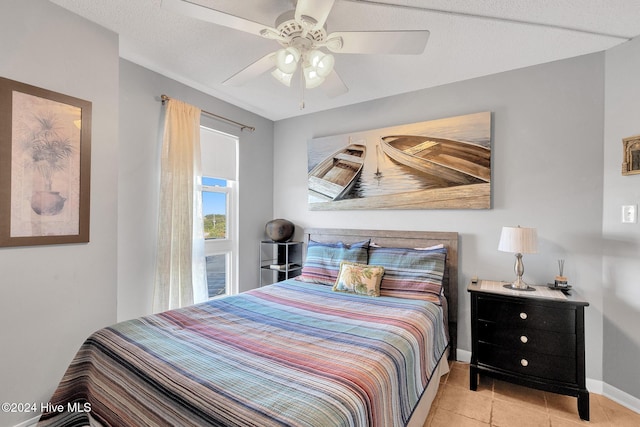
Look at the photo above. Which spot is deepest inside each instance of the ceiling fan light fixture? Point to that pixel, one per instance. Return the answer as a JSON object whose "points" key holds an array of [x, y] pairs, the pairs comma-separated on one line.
{"points": [[311, 77], [287, 59], [284, 78], [321, 62]]}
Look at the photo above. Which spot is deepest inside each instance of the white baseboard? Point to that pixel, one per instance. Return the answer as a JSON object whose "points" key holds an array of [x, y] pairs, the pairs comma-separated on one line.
{"points": [[594, 386], [463, 356], [621, 397]]}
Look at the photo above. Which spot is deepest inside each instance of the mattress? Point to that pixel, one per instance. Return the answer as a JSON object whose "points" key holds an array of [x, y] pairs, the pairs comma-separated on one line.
{"points": [[292, 353]]}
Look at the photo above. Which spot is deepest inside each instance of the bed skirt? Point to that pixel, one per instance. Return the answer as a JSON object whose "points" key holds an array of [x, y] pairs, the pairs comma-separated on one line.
{"points": [[421, 411]]}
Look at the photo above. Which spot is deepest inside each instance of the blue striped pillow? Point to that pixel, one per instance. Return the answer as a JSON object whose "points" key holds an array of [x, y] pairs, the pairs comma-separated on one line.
{"points": [[322, 263], [410, 273]]}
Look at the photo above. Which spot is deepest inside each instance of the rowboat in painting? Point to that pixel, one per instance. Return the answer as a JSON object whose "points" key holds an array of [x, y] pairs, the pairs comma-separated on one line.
{"points": [[335, 176], [458, 162]]}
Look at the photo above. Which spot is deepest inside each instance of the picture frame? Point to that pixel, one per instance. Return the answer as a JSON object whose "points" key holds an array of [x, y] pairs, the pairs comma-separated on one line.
{"points": [[442, 163], [45, 162], [631, 155]]}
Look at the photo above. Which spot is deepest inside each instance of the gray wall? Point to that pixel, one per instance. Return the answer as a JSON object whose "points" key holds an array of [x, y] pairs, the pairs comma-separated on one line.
{"points": [[139, 174], [52, 297], [621, 272], [547, 173]]}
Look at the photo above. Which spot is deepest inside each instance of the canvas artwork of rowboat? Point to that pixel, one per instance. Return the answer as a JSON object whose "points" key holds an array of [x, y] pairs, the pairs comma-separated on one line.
{"points": [[443, 163], [458, 162], [333, 178]]}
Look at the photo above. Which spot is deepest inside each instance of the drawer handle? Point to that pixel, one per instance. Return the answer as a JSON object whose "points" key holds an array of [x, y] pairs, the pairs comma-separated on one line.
{"points": [[524, 339], [523, 316], [524, 362]]}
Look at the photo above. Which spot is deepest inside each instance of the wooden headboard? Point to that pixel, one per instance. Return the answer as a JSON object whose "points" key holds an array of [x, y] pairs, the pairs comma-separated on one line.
{"points": [[407, 239]]}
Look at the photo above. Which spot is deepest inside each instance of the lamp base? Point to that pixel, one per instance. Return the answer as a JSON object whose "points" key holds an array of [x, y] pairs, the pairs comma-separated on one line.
{"points": [[519, 284], [512, 287]]}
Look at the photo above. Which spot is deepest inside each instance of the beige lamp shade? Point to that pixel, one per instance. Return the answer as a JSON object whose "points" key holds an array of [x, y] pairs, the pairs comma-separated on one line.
{"points": [[519, 240]]}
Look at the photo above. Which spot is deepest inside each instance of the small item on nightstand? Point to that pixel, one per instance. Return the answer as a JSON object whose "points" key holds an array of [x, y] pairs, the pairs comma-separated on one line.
{"points": [[561, 282], [474, 280], [563, 288]]}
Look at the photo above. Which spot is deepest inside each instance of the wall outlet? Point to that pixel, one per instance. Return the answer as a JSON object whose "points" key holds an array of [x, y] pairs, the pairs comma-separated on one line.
{"points": [[629, 214]]}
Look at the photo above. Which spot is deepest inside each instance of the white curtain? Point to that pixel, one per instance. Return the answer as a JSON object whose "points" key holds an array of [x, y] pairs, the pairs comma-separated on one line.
{"points": [[180, 264]]}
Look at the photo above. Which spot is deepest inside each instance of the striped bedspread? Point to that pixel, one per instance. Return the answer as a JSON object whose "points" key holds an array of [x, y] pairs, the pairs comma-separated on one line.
{"points": [[289, 354]]}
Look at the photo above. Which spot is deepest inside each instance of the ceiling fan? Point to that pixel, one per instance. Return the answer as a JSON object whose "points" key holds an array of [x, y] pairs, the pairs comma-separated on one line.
{"points": [[304, 43]]}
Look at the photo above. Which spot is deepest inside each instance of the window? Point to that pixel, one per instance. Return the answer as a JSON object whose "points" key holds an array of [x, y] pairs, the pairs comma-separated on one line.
{"points": [[219, 210], [214, 207]]}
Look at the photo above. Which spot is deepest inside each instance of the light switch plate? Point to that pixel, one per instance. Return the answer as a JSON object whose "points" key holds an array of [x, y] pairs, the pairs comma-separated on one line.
{"points": [[629, 214]]}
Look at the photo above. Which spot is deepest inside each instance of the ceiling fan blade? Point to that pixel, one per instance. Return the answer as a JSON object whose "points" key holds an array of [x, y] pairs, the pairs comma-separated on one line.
{"points": [[193, 10], [385, 42], [333, 85], [317, 10], [252, 71]]}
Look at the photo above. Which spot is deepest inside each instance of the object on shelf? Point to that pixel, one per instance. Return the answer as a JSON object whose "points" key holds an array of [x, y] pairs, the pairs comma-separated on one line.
{"points": [[281, 267], [280, 230]]}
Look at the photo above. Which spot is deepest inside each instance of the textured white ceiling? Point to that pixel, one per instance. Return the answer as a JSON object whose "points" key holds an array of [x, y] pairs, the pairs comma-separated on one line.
{"points": [[469, 38]]}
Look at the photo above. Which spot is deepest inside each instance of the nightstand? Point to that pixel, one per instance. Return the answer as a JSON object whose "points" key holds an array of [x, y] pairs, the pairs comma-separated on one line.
{"points": [[535, 339]]}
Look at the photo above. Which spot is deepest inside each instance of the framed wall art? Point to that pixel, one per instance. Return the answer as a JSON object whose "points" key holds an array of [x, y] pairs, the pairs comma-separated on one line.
{"points": [[45, 161], [631, 155], [436, 164]]}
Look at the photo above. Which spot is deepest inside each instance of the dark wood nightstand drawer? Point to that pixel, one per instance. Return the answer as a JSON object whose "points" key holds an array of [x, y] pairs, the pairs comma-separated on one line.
{"points": [[536, 340], [544, 366], [526, 315]]}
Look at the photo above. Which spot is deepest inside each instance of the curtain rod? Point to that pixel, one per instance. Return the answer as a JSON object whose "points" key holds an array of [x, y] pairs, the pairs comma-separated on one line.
{"points": [[242, 127]]}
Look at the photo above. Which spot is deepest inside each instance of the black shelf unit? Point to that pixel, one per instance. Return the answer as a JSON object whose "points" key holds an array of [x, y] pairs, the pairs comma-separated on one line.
{"points": [[279, 261]]}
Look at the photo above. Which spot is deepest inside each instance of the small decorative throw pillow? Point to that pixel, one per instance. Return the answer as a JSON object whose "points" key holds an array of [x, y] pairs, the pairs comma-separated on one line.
{"points": [[359, 279]]}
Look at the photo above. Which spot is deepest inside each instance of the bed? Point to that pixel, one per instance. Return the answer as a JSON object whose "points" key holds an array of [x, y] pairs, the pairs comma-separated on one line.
{"points": [[299, 352]]}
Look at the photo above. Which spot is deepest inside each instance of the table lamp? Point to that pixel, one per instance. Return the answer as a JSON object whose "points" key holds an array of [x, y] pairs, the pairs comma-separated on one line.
{"points": [[519, 240]]}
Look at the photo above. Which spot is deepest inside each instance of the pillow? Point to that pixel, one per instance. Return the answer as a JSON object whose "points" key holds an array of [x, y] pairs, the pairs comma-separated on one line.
{"points": [[410, 273], [361, 279], [429, 248], [322, 263]]}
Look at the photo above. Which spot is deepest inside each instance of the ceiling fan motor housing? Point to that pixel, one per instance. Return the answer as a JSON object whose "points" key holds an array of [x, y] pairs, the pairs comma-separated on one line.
{"points": [[291, 29]]}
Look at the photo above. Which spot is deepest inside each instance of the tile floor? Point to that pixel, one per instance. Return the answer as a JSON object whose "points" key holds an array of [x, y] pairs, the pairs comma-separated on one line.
{"points": [[500, 404]]}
